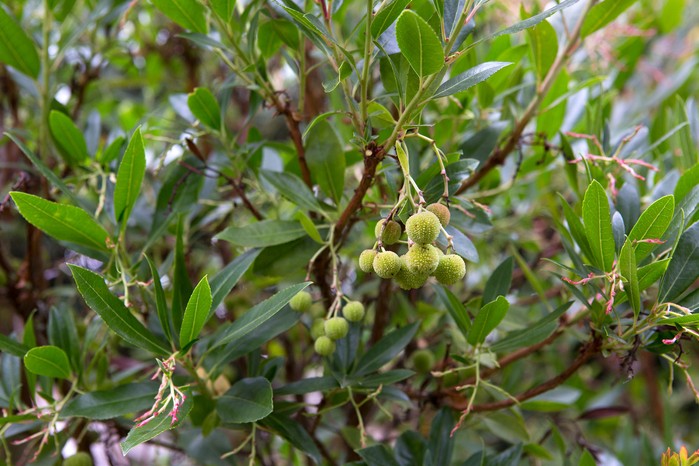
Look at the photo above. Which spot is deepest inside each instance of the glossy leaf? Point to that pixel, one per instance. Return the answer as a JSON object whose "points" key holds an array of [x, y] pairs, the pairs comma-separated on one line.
{"points": [[533, 333], [225, 279], [385, 349], [326, 159], [248, 400], [113, 312], [294, 433], [387, 16], [291, 187], [683, 269], [115, 402], [204, 106], [456, 309], [49, 361], [63, 222], [629, 269], [69, 139], [189, 14], [17, 49], [129, 178], [196, 313], [577, 229], [419, 44], [262, 234], [469, 78], [489, 317], [377, 455], [602, 14], [161, 308], [499, 282], [182, 287], [652, 224], [598, 226]]}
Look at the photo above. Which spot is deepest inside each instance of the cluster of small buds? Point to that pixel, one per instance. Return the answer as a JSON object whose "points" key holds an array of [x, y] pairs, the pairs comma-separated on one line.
{"points": [[176, 396], [423, 259]]}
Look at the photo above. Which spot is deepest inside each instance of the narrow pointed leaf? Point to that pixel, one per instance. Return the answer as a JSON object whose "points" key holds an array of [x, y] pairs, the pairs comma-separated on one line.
{"points": [[69, 139], [629, 270], [204, 106], [263, 234], [129, 178], [13, 347], [386, 16], [326, 159], [683, 269], [223, 282], [419, 44], [652, 224], [489, 317], [385, 350], [196, 313], [248, 400], [49, 361], [598, 226], [115, 402], [469, 78], [291, 187], [17, 49], [160, 303], [602, 14], [118, 318]]}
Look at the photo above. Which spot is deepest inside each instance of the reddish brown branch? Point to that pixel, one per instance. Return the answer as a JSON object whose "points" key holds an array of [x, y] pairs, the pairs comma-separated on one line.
{"points": [[292, 123]]}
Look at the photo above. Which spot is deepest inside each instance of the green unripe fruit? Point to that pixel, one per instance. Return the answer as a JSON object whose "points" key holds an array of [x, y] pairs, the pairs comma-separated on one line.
{"points": [[423, 361], [366, 260], [79, 459], [442, 213], [386, 264], [324, 346], [423, 228], [301, 301], [353, 311], [391, 233], [336, 328], [408, 280], [450, 270], [317, 310], [317, 328], [422, 260]]}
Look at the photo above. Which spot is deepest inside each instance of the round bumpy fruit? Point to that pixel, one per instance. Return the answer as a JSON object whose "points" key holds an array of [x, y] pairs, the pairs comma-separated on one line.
{"points": [[317, 328], [366, 260], [79, 459], [442, 213], [353, 311], [450, 270], [391, 233], [423, 228], [386, 264], [423, 361], [408, 280], [422, 260], [301, 301], [324, 346], [336, 328]]}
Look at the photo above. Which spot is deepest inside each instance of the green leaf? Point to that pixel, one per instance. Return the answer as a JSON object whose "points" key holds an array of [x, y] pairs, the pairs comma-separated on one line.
{"points": [[586, 459], [308, 385], [259, 314], [602, 14], [63, 222], [69, 139], [291, 187], [629, 269], [687, 181], [385, 350], [326, 158], [17, 49], [204, 106], [13, 347], [598, 226], [62, 332], [499, 282], [386, 16], [456, 309], [683, 269], [248, 400], [160, 304], [262, 234], [469, 78], [196, 313], [440, 446], [577, 230], [686, 320], [487, 319], [294, 433], [543, 43], [189, 14], [651, 225], [113, 312], [129, 178], [223, 8], [50, 361], [419, 44], [533, 333], [225, 279], [377, 455], [309, 226], [115, 402], [156, 426], [182, 287]]}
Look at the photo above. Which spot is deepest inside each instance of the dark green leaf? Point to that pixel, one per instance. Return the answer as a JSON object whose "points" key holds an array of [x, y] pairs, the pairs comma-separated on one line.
{"points": [[196, 313], [410, 449], [160, 304], [469, 78], [652, 224], [69, 139], [63, 222], [264, 233], [489, 317], [50, 361], [419, 44], [129, 178], [17, 49], [629, 269], [182, 287], [293, 433], [63, 333], [602, 14], [456, 309], [204, 106], [598, 226], [683, 269], [307, 385], [189, 14], [248, 400], [108, 404], [291, 187], [463, 245], [385, 350], [326, 158], [533, 333], [13, 347], [110, 308], [377, 455], [577, 230], [225, 279], [499, 282], [386, 16], [441, 443]]}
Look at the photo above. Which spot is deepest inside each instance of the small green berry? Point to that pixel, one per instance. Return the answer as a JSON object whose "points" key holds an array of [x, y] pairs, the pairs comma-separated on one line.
{"points": [[423, 228], [366, 260], [391, 233], [336, 328], [442, 213], [317, 310], [422, 260], [81, 458], [324, 346], [353, 311], [450, 270], [317, 328], [387, 264], [422, 360], [301, 301], [408, 280]]}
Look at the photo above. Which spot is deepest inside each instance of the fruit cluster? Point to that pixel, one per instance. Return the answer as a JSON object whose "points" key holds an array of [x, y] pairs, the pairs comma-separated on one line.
{"points": [[423, 259]]}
